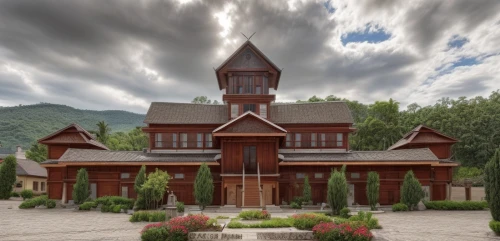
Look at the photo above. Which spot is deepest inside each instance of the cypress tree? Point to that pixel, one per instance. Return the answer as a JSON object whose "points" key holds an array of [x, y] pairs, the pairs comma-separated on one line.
{"points": [[412, 191], [372, 189], [492, 178], [7, 176], [81, 188], [203, 187], [337, 191], [140, 179], [307, 196]]}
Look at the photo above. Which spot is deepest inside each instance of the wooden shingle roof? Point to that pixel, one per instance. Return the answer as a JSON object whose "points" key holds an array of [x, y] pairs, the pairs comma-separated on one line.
{"points": [[422, 135], [423, 154], [332, 112]]}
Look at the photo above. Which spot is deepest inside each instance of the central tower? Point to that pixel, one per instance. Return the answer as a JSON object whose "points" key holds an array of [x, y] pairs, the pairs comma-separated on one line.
{"points": [[247, 75]]}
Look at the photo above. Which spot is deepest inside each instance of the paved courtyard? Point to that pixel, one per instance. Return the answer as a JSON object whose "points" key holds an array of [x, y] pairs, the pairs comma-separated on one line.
{"points": [[66, 224]]}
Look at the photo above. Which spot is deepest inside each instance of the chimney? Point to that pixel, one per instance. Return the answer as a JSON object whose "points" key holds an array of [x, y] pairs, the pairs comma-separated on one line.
{"points": [[20, 154]]}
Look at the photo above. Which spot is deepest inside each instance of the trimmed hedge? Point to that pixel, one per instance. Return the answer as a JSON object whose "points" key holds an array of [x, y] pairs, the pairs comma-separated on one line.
{"points": [[14, 194], [148, 216], [272, 223], [495, 226], [399, 207], [255, 215], [306, 221], [114, 204], [26, 194], [86, 206], [454, 205], [38, 201]]}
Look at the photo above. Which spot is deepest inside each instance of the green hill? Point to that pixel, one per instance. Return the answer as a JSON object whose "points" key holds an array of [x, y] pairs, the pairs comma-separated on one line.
{"points": [[23, 125]]}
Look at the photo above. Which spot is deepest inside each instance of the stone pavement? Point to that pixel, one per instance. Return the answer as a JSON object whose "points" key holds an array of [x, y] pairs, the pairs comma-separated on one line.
{"points": [[434, 225], [64, 224]]}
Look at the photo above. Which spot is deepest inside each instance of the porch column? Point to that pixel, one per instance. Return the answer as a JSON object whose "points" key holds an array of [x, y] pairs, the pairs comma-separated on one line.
{"points": [[448, 193], [63, 200]]}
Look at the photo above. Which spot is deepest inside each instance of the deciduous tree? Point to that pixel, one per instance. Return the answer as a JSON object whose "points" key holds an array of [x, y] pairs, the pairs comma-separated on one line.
{"points": [[37, 152]]}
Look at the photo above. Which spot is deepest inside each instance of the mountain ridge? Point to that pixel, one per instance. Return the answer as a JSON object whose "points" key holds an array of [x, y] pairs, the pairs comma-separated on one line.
{"points": [[24, 124]]}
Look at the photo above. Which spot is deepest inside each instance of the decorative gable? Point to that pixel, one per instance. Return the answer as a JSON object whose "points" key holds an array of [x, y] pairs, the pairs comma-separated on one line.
{"points": [[249, 124], [247, 59]]}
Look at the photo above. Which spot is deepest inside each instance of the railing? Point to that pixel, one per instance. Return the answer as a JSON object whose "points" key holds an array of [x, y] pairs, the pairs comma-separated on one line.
{"points": [[312, 144]]}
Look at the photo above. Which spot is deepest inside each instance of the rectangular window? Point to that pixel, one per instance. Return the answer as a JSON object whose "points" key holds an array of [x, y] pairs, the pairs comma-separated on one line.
{"points": [[297, 139], [199, 140], [265, 87], [355, 175], [318, 175], [158, 141], [184, 137], [42, 187], [179, 176], [323, 139], [313, 139], [258, 90], [234, 110], [288, 139], [174, 140], [124, 175], [208, 140], [300, 175], [35, 186], [263, 110], [248, 107], [125, 191], [240, 89], [249, 85], [250, 159], [339, 139], [19, 184]]}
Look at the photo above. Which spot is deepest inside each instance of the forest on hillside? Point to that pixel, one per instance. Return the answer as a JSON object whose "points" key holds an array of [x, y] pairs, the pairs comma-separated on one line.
{"points": [[23, 125]]}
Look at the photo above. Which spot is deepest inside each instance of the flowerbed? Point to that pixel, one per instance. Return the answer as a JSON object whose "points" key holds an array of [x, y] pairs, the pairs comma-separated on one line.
{"points": [[306, 221], [176, 229], [272, 223], [255, 215], [454, 205], [331, 231]]}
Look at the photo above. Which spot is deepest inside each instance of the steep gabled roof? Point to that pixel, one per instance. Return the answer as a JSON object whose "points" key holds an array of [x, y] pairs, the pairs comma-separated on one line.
{"points": [[248, 45], [249, 122], [421, 135], [64, 136]]}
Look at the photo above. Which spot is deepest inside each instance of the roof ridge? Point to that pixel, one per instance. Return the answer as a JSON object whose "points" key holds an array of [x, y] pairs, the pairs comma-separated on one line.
{"points": [[185, 103], [308, 103]]}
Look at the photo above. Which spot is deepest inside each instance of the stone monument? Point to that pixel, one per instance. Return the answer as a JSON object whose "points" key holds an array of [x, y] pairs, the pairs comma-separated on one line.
{"points": [[171, 210]]}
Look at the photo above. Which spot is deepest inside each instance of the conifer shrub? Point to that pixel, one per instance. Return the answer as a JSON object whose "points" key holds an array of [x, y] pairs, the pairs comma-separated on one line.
{"points": [[373, 189], [7, 176], [180, 207], [203, 187], [26, 194], [81, 190], [492, 188], [412, 192], [306, 195], [344, 212], [140, 178], [337, 191]]}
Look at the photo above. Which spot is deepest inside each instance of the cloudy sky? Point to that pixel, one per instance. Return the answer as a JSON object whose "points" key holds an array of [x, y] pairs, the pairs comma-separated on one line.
{"points": [[125, 54]]}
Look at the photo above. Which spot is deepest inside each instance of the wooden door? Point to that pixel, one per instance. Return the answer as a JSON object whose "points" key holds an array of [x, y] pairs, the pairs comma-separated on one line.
{"points": [[268, 194]]}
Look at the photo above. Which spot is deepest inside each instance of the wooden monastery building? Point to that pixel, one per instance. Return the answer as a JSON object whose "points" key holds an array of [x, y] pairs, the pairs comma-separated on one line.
{"points": [[250, 140]]}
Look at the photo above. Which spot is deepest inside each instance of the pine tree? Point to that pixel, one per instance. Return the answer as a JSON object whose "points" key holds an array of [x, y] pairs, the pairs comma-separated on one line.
{"points": [[492, 181], [372, 189], [203, 187], [412, 191], [337, 191], [7, 176], [307, 196], [81, 188]]}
